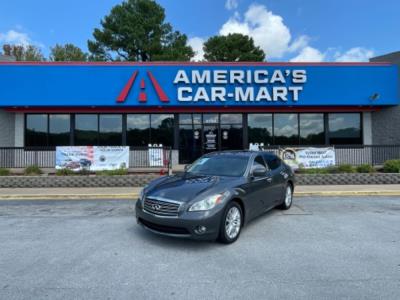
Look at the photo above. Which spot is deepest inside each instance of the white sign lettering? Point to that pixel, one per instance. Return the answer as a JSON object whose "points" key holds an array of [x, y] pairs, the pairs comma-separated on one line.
{"points": [[240, 85]]}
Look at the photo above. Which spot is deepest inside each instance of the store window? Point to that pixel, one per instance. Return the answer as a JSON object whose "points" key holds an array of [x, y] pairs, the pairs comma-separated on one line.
{"points": [[231, 131], [36, 130], [286, 129], [138, 130], [162, 129], [110, 130], [210, 118], [190, 137], [59, 130], [260, 128], [86, 130], [312, 130], [345, 128]]}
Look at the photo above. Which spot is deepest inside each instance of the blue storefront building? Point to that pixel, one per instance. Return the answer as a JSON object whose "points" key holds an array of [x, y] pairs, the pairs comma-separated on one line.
{"points": [[195, 108]]}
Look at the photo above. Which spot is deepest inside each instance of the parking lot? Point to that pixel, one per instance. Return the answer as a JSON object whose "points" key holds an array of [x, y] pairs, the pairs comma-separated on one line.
{"points": [[323, 248]]}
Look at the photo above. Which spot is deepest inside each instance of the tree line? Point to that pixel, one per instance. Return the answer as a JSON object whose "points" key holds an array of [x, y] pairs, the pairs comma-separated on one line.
{"points": [[136, 30]]}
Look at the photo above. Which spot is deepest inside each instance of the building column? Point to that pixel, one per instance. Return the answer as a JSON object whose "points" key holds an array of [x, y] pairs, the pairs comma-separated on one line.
{"points": [[367, 128], [19, 130]]}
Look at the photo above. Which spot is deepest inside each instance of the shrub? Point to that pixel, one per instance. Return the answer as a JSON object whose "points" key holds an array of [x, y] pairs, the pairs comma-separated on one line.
{"points": [[366, 168], [345, 169], [113, 172], [83, 172], [33, 170], [4, 172], [392, 166], [65, 172]]}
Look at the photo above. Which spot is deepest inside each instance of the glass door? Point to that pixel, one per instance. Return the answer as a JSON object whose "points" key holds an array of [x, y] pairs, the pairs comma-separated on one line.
{"points": [[210, 138]]}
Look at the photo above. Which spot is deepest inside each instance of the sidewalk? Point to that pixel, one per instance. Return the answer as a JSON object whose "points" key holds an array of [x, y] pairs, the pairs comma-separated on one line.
{"points": [[132, 193]]}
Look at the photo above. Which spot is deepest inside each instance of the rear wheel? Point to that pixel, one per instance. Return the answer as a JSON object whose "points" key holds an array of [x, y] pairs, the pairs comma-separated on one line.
{"points": [[231, 224], [287, 202]]}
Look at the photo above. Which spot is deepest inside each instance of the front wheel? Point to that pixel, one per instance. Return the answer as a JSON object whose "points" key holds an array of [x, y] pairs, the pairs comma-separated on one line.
{"points": [[287, 202], [231, 223]]}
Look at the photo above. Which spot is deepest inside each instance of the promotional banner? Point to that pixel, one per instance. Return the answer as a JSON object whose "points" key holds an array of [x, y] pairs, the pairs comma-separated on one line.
{"points": [[156, 157], [307, 158], [92, 158]]}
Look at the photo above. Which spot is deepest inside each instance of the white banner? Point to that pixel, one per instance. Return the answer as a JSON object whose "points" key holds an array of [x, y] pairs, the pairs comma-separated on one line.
{"points": [[156, 157], [307, 158], [92, 158]]}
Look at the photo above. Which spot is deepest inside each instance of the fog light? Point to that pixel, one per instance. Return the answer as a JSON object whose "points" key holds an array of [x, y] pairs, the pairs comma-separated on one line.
{"points": [[200, 229]]}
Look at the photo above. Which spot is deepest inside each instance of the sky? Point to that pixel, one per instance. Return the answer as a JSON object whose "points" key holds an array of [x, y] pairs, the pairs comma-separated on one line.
{"points": [[287, 30]]}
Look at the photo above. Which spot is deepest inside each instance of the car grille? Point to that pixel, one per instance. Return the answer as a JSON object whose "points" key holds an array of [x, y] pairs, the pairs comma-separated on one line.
{"points": [[161, 208], [163, 228]]}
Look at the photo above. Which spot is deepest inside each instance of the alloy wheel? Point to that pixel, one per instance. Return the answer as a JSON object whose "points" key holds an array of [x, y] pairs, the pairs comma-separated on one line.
{"points": [[233, 222]]}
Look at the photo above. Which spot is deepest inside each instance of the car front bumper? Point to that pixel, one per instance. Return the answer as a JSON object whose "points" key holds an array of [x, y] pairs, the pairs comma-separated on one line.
{"points": [[185, 225]]}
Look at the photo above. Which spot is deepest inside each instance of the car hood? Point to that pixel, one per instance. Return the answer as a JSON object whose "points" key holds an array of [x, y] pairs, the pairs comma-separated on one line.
{"points": [[184, 188]]}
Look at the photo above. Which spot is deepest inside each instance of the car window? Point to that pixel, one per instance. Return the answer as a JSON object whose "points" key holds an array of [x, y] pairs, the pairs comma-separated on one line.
{"points": [[273, 161], [258, 161], [220, 165]]}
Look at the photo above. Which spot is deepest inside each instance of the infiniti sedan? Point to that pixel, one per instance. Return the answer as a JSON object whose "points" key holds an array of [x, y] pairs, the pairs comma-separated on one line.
{"points": [[216, 196]]}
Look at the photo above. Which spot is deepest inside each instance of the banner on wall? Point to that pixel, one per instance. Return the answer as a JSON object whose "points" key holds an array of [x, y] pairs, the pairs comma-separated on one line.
{"points": [[307, 158], [156, 156], [92, 158]]}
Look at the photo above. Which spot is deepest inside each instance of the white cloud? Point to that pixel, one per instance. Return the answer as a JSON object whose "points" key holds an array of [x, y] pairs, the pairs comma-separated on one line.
{"points": [[267, 29], [197, 44], [15, 37], [300, 43], [309, 54], [356, 54], [269, 32], [18, 37], [231, 4]]}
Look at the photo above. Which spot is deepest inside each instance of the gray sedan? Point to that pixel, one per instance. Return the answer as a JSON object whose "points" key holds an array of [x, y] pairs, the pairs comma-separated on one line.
{"points": [[216, 196]]}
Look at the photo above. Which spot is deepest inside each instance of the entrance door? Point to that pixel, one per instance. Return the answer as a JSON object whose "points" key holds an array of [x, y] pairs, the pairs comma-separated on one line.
{"points": [[210, 138]]}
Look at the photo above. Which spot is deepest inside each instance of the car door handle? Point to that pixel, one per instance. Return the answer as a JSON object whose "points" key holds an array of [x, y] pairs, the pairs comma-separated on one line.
{"points": [[269, 179]]}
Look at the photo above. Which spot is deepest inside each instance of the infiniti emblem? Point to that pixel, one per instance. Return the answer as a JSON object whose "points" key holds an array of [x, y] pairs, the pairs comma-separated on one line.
{"points": [[156, 206]]}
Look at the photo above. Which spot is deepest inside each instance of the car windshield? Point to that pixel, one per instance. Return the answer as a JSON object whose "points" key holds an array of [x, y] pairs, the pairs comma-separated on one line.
{"points": [[220, 165]]}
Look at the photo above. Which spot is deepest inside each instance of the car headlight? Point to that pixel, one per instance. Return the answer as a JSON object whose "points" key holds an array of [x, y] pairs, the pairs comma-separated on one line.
{"points": [[209, 202], [142, 193]]}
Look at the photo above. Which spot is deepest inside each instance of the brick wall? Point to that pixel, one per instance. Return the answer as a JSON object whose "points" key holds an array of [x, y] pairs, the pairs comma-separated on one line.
{"points": [[386, 123], [7, 126]]}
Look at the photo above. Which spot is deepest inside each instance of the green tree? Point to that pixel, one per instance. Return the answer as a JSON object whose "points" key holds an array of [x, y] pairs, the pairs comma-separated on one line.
{"points": [[232, 47], [135, 30], [23, 53], [67, 52]]}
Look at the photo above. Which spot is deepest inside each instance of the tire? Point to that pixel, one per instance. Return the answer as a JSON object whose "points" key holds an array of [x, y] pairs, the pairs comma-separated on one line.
{"points": [[288, 198], [227, 233]]}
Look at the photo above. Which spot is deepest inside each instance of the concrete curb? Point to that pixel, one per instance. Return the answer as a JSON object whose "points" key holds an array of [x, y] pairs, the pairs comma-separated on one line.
{"points": [[134, 196]]}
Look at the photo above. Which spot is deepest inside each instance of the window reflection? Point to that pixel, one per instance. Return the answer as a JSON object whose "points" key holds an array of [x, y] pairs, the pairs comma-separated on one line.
{"points": [[210, 118], [36, 130], [86, 130], [185, 119], [138, 130], [162, 129], [231, 118], [110, 130], [286, 129], [59, 130], [260, 128], [345, 128], [312, 129]]}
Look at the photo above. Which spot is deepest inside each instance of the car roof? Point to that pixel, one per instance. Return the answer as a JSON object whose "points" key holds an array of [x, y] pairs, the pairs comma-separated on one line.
{"points": [[246, 153]]}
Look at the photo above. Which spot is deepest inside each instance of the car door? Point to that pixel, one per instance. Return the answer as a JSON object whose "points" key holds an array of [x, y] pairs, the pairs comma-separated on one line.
{"points": [[257, 189], [278, 180]]}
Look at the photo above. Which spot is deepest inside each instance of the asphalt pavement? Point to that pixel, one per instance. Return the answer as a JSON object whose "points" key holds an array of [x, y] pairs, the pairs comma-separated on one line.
{"points": [[323, 248]]}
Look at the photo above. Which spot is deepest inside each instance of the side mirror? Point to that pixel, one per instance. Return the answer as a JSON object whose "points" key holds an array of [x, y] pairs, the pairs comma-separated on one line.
{"points": [[259, 171], [187, 167]]}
